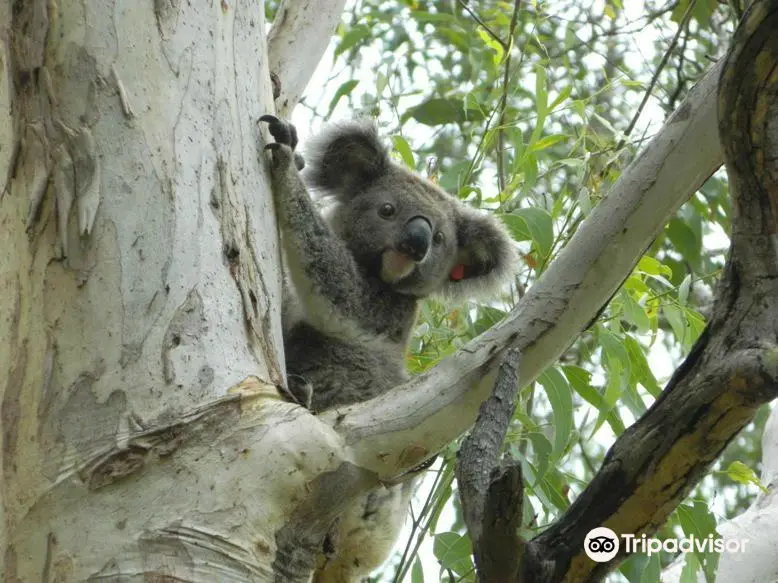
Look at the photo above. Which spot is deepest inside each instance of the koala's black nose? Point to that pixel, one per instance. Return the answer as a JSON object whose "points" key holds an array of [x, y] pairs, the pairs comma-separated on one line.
{"points": [[416, 238]]}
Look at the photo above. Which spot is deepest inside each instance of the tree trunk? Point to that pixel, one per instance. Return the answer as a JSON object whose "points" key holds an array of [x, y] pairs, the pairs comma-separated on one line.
{"points": [[756, 562], [758, 525], [139, 279]]}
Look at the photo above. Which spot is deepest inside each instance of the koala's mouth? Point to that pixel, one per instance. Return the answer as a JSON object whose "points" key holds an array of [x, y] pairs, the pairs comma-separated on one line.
{"points": [[395, 266]]}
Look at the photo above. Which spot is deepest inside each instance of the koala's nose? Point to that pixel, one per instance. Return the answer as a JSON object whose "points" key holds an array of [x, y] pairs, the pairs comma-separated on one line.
{"points": [[416, 238]]}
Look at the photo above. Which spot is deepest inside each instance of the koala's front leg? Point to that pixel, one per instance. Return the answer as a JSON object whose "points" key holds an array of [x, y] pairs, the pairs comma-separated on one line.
{"points": [[323, 271]]}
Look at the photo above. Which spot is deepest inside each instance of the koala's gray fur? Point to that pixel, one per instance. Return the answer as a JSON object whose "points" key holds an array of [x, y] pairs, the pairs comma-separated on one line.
{"points": [[354, 326], [358, 277]]}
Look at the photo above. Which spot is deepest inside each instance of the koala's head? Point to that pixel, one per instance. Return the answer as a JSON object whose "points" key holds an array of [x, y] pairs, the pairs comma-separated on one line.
{"points": [[414, 236]]}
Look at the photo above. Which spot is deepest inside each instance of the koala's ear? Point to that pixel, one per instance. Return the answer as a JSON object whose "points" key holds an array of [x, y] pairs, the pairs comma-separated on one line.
{"points": [[485, 258], [345, 157]]}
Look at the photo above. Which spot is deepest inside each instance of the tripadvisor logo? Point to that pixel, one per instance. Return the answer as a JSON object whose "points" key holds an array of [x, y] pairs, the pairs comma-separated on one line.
{"points": [[601, 544]]}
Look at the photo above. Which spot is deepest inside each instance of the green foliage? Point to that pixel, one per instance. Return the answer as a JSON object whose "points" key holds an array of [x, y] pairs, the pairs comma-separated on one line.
{"points": [[697, 520], [453, 552], [742, 474], [443, 110], [535, 123], [560, 397]]}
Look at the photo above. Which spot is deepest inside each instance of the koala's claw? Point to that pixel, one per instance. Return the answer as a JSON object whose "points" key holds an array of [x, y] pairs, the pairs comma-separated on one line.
{"points": [[298, 390], [284, 133]]}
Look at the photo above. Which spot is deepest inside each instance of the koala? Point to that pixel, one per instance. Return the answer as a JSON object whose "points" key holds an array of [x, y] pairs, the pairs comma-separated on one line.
{"points": [[357, 277]]}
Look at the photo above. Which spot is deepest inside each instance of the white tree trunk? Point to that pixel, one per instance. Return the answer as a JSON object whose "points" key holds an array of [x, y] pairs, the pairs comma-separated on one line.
{"points": [[758, 525], [139, 279], [757, 561]]}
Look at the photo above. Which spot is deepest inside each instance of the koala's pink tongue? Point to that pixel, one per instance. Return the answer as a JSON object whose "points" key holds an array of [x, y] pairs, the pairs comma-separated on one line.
{"points": [[395, 266]]}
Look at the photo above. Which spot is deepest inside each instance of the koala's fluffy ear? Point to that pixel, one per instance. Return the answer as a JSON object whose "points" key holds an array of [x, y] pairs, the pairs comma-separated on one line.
{"points": [[486, 257], [345, 157]]}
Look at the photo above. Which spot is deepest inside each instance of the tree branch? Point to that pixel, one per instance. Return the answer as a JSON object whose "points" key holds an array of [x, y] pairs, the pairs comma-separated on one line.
{"points": [[492, 495], [395, 432], [301, 32]]}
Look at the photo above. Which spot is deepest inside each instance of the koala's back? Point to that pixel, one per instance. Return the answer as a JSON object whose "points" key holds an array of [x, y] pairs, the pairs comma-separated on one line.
{"points": [[342, 371]]}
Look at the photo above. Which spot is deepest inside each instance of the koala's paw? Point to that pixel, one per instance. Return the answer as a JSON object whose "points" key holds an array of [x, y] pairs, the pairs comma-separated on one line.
{"points": [[284, 134]]}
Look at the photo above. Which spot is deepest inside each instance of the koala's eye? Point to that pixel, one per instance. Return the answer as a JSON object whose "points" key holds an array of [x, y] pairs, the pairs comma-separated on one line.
{"points": [[386, 211], [438, 238]]}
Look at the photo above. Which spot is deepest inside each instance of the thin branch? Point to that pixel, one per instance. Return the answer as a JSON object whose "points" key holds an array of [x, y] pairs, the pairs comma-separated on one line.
{"points": [[654, 80], [504, 98], [418, 530], [485, 26]]}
